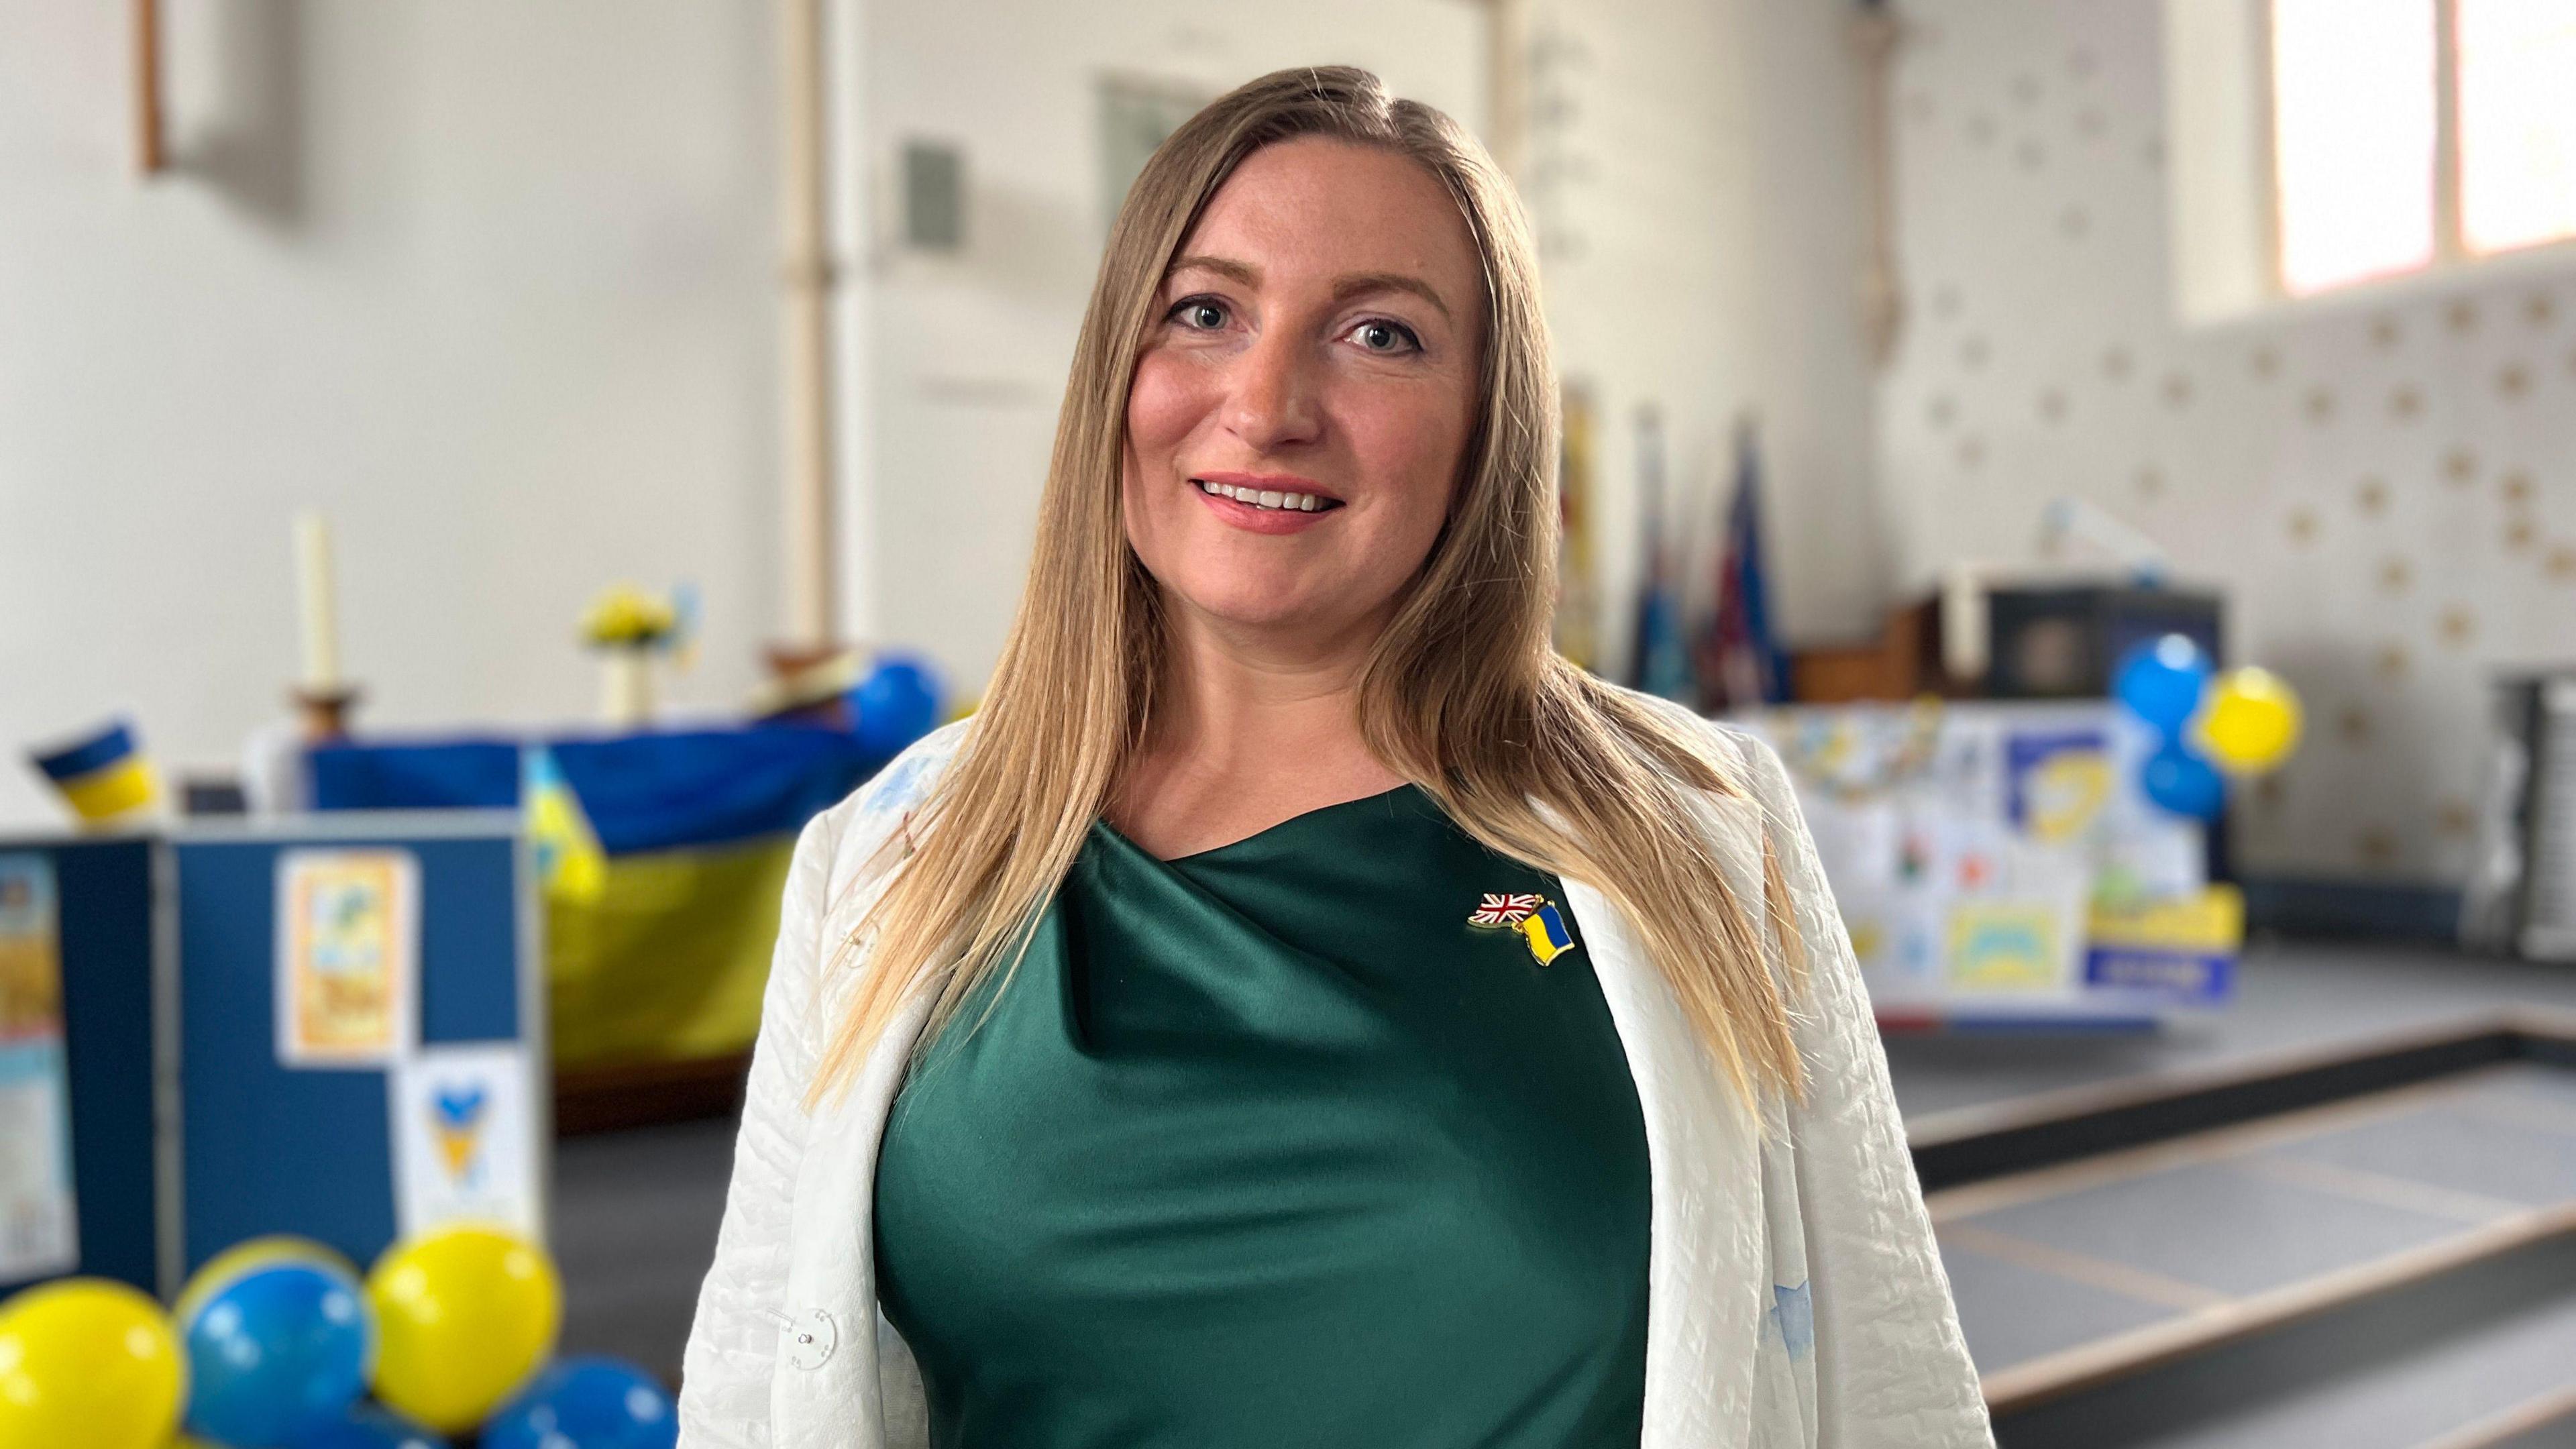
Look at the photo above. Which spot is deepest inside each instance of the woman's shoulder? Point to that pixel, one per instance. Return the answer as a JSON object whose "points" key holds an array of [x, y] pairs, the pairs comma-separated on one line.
{"points": [[908, 777], [850, 836]]}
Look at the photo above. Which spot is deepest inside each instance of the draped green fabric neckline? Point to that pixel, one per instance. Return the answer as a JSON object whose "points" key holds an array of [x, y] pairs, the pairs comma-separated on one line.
{"points": [[1267, 1144]]}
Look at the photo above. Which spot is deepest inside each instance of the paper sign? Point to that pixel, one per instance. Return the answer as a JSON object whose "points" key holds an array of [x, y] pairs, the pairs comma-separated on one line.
{"points": [[2007, 945], [465, 1138], [348, 952], [38, 1225], [2057, 782], [2181, 949]]}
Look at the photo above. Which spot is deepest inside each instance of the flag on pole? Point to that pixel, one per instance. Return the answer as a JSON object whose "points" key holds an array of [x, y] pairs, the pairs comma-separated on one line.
{"points": [[1578, 599], [1660, 661], [1740, 662]]}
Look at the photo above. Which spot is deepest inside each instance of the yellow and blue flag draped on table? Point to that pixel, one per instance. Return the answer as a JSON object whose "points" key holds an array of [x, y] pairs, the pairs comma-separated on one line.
{"points": [[663, 857], [105, 777]]}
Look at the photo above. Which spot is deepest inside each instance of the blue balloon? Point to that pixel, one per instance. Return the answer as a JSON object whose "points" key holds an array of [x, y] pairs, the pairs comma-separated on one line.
{"points": [[2183, 783], [896, 704], [587, 1403], [274, 1352], [2161, 681], [368, 1427]]}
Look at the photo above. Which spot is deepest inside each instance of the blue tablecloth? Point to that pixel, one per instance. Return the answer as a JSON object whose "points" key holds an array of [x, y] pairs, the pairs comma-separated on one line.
{"points": [[642, 792]]}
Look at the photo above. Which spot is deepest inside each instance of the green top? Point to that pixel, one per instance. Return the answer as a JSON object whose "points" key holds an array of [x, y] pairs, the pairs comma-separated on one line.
{"points": [[1268, 1145]]}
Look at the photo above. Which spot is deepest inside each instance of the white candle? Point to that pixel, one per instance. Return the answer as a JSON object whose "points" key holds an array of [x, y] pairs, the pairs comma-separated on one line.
{"points": [[321, 625]]}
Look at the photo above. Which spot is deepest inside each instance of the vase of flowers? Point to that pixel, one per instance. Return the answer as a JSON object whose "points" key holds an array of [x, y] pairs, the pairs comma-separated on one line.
{"points": [[627, 627]]}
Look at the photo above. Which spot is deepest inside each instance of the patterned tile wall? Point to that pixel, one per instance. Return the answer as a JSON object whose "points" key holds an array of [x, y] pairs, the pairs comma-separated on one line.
{"points": [[2385, 486]]}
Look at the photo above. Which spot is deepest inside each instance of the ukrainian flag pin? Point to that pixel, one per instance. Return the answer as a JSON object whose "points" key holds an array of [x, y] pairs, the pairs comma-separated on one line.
{"points": [[1533, 916], [1548, 937]]}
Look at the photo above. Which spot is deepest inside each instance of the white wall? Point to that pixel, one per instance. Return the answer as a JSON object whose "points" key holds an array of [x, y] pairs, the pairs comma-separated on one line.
{"points": [[2383, 485], [1702, 207], [492, 283]]}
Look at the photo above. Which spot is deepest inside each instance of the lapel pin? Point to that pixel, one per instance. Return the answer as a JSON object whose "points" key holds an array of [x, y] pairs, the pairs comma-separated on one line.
{"points": [[1533, 916]]}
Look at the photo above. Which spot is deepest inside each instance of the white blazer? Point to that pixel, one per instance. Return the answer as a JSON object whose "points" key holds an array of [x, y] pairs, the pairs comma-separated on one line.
{"points": [[1794, 1294]]}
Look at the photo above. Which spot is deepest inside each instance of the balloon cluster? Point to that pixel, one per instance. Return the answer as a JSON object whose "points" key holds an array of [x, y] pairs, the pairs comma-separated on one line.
{"points": [[277, 1343], [2243, 722]]}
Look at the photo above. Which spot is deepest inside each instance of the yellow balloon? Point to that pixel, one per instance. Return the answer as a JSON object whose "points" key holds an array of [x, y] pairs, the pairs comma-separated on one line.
{"points": [[2252, 722], [89, 1362], [464, 1316]]}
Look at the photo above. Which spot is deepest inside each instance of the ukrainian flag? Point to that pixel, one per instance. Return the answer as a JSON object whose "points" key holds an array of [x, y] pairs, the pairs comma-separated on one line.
{"points": [[1548, 937], [105, 777], [663, 856]]}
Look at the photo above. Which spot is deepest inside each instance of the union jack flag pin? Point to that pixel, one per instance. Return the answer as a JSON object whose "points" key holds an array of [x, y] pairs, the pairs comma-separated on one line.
{"points": [[1504, 910], [1533, 916]]}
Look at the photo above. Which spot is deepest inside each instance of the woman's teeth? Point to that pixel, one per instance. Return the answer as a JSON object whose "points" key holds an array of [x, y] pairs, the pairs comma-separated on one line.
{"points": [[1259, 498]]}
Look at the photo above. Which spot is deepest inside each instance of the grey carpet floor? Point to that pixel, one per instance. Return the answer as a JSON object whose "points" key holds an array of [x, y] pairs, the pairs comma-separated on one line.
{"points": [[635, 1226]]}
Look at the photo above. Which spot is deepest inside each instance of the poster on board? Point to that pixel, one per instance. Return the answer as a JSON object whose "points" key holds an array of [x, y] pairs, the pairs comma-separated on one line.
{"points": [[348, 954], [465, 1138], [38, 1225]]}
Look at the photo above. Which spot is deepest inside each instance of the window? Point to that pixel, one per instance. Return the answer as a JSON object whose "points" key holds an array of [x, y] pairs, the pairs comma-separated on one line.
{"points": [[2354, 97], [2517, 89], [2409, 134]]}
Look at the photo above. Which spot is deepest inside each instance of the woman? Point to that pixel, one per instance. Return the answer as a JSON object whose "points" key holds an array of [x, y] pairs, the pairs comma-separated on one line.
{"points": [[1300, 1008]]}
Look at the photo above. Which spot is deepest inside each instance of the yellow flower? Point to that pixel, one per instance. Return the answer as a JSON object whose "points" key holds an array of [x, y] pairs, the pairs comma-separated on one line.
{"points": [[626, 617]]}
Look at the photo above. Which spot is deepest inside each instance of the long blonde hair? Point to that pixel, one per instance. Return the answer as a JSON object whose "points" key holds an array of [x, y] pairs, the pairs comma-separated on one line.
{"points": [[1462, 695]]}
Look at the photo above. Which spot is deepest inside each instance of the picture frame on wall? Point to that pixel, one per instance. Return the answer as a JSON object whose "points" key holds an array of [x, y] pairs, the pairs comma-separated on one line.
{"points": [[1135, 114]]}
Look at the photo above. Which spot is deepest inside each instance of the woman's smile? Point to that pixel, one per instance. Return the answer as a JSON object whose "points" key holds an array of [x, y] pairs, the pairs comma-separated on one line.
{"points": [[1265, 502]]}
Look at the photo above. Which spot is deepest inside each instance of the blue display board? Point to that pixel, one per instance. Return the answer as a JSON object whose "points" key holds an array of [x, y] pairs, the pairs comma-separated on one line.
{"points": [[104, 894], [188, 1131], [270, 1147]]}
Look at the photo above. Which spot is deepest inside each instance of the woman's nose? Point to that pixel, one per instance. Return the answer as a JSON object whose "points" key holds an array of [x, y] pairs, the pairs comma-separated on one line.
{"points": [[1273, 403]]}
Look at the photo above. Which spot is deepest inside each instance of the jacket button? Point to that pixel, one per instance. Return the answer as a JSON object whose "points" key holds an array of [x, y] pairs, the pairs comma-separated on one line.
{"points": [[810, 1344]]}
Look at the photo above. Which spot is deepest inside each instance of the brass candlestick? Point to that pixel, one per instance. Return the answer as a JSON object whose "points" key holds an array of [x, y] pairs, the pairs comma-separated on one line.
{"points": [[325, 712]]}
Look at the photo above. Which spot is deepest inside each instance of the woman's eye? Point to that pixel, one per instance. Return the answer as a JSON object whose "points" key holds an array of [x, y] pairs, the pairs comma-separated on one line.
{"points": [[1379, 335], [1200, 313]]}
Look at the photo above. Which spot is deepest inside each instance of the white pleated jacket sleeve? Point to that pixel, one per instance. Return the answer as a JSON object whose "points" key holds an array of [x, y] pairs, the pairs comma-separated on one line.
{"points": [[1889, 1365], [745, 1338], [1795, 1301]]}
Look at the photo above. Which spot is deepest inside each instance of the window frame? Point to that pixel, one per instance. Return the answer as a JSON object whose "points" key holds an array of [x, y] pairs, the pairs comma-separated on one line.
{"points": [[2451, 254], [2223, 177]]}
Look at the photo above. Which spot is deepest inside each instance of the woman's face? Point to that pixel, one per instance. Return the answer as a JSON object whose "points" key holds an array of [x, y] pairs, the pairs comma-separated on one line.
{"points": [[1305, 392]]}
